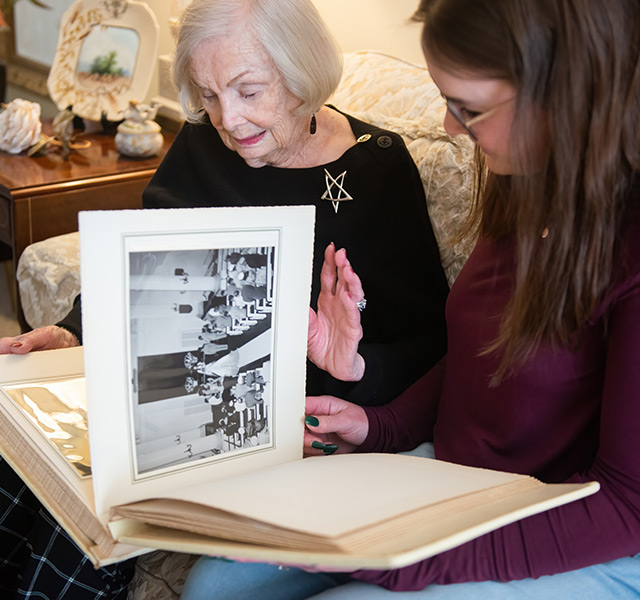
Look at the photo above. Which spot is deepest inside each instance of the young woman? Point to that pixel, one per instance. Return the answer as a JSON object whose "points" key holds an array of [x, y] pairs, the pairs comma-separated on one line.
{"points": [[541, 375]]}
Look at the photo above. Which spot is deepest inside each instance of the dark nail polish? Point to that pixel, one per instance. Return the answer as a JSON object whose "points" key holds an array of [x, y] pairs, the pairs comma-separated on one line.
{"points": [[318, 445], [313, 421], [329, 448]]}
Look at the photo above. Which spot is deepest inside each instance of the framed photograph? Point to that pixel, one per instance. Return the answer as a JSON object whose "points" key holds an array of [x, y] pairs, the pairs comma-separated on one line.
{"points": [[194, 327], [103, 58]]}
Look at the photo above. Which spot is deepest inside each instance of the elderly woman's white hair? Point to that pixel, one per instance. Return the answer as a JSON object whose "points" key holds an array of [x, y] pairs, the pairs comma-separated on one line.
{"points": [[291, 31]]}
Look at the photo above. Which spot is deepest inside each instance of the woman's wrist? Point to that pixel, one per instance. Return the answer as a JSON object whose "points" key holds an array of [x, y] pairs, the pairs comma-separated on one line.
{"points": [[359, 367], [65, 337]]}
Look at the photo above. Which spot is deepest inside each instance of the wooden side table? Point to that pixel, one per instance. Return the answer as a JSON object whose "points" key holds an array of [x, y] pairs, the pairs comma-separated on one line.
{"points": [[48, 191]]}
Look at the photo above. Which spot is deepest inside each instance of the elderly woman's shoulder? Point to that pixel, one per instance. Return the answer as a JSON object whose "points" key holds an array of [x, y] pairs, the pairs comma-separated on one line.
{"points": [[375, 137]]}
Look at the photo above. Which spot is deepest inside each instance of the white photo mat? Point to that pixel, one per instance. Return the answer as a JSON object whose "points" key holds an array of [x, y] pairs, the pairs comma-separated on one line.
{"points": [[140, 269]]}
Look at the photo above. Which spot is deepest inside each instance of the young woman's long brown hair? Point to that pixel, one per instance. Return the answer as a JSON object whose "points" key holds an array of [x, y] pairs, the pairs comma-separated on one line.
{"points": [[575, 135]]}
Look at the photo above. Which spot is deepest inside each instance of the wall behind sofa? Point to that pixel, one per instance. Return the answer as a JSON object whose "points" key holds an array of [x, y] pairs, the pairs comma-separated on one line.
{"points": [[374, 25], [357, 24], [382, 25]]}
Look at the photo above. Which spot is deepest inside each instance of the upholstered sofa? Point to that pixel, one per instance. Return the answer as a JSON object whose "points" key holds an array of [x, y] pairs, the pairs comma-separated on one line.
{"points": [[378, 88]]}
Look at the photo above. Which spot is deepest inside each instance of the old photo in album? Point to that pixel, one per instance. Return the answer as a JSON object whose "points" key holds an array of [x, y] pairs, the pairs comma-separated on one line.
{"points": [[194, 326]]}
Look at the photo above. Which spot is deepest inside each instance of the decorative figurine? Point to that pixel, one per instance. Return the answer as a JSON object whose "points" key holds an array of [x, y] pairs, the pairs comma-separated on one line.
{"points": [[139, 135], [63, 130]]}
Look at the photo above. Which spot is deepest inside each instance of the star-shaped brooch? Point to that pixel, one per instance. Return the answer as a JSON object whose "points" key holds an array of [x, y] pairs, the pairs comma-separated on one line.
{"points": [[338, 183]]}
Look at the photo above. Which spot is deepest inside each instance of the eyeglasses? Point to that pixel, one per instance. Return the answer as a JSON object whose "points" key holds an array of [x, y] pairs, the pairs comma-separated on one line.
{"points": [[467, 123]]}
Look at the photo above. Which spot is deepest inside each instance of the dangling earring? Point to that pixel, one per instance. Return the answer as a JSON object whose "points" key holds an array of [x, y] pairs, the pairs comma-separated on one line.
{"points": [[313, 125]]}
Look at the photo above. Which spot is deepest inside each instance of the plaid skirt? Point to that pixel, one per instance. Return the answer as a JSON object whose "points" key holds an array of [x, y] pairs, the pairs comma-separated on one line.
{"points": [[39, 560]]}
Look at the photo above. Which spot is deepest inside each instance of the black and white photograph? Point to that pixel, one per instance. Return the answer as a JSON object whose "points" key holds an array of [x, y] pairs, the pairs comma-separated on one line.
{"points": [[201, 340], [194, 328]]}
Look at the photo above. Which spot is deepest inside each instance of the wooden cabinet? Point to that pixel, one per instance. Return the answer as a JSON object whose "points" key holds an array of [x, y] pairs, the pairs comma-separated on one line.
{"points": [[47, 191]]}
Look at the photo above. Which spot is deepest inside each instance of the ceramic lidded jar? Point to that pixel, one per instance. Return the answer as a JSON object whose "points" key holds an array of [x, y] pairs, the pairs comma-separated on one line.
{"points": [[139, 139], [138, 135]]}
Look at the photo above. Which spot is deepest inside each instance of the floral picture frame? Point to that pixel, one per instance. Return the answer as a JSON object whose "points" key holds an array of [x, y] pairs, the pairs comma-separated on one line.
{"points": [[104, 58]]}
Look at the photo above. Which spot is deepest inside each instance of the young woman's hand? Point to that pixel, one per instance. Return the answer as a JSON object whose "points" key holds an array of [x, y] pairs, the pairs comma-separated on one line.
{"points": [[333, 425], [335, 330], [42, 338]]}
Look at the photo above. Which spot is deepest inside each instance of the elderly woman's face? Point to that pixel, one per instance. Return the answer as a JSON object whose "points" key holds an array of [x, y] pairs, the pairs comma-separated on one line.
{"points": [[247, 102]]}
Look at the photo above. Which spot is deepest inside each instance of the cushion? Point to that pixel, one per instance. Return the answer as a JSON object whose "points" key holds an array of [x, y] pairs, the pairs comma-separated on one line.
{"points": [[48, 277], [400, 96]]}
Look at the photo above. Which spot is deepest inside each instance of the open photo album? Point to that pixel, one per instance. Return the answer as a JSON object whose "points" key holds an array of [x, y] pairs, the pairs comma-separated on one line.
{"points": [[179, 424]]}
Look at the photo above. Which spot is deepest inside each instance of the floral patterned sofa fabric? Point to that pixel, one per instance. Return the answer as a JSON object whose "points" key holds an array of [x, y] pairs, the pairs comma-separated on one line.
{"points": [[401, 96], [49, 278], [375, 87]]}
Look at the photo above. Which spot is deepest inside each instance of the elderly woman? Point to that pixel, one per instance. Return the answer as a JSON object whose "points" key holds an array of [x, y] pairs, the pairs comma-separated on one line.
{"points": [[253, 78]]}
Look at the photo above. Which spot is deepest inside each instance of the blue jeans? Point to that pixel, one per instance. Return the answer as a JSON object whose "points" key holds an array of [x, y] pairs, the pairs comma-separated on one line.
{"points": [[214, 579], [219, 579]]}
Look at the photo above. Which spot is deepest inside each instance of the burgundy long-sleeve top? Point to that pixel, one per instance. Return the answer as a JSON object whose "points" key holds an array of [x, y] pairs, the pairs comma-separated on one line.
{"points": [[565, 416]]}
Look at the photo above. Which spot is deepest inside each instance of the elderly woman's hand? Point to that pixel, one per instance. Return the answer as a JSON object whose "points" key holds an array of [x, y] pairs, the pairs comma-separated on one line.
{"points": [[42, 338], [335, 330], [333, 425]]}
